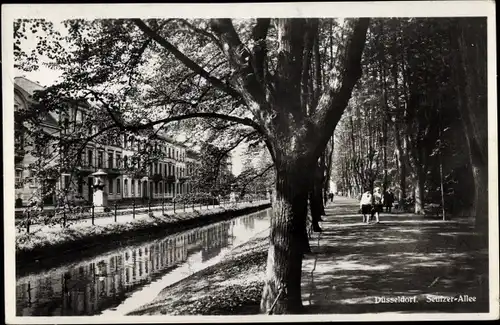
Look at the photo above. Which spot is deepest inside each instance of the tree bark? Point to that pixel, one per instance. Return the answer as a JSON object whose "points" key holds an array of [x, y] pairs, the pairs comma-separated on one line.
{"points": [[418, 186], [315, 200], [419, 180], [471, 88], [329, 165], [284, 261], [401, 166]]}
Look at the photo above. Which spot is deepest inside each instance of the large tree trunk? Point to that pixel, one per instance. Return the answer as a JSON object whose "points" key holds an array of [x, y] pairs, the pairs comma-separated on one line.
{"points": [[319, 184], [284, 261], [470, 76], [315, 200], [329, 164], [419, 180], [418, 186], [401, 167]]}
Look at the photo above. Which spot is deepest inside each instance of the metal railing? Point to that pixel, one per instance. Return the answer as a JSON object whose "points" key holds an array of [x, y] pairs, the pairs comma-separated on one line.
{"points": [[71, 214]]}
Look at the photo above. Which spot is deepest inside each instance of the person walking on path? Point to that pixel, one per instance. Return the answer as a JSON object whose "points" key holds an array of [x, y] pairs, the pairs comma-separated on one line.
{"points": [[366, 206], [378, 203], [388, 200]]}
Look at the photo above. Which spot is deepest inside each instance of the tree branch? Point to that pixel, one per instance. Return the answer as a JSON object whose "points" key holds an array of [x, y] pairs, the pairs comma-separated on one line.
{"points": [[262, 173], [259, 35], [332, 103], [244, 121], [241, 61], [190, 64], [201, 32]]}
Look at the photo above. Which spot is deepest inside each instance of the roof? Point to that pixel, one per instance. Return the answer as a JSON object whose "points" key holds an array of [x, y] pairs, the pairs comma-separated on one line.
{"points": [[27, 88], [27, 85]]}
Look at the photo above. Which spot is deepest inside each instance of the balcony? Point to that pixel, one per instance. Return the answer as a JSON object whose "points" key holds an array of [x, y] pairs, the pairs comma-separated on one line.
{"points": [[113, 172], [157, 177], [85, 170], [138, 173]]}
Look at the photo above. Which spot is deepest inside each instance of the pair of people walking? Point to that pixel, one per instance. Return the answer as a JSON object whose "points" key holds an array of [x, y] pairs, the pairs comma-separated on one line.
{"points": [[372, 205]]}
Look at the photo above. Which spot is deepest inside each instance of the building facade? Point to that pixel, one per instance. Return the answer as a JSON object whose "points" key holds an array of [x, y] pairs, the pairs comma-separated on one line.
{"points": [[130, 175]]}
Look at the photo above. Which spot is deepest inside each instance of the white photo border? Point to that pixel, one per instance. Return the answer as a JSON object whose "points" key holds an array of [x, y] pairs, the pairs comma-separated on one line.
{"points": [[245, 10]]}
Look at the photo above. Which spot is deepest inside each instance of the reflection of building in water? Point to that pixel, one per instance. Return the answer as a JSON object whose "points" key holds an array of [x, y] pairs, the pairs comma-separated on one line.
{"points": [[217, 239], [248, 221], [89, 288]]}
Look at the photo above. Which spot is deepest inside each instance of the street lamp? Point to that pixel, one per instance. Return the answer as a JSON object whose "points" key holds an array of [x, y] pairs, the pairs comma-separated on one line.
{"points": [[100, 196]]}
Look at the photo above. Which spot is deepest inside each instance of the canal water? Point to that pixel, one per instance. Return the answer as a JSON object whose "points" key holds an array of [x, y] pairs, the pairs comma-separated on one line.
{"points": [[122, 280]]}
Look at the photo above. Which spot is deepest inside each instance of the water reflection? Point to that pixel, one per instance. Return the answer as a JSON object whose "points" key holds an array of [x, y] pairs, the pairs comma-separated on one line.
{"points": [[111, 280]]}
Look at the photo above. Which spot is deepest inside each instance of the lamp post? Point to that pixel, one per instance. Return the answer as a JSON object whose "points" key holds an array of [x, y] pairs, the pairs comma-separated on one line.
{"points": [[100, 196]]}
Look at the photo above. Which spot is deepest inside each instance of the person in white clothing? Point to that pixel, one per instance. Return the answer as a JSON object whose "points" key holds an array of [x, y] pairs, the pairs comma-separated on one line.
{"points": [[366, 206], [378, 203]]}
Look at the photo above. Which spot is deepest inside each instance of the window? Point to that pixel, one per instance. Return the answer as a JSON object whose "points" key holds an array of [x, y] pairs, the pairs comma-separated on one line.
{"points": [[80, 186], [110, 159], [89, 128], [66, 124], [156, 168], [66, 181], [118, 187], [100, 158], [82, 159], [125, 161], [125, 188], [118, 160], [166, 187], [132, 186], [19, 177], [160, 186], [19, 137], [169, 153], [90, 163], [110, 187]]}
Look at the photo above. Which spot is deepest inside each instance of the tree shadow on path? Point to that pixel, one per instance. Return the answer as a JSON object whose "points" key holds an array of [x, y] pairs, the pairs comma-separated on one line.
{"points": [[355, 265]]}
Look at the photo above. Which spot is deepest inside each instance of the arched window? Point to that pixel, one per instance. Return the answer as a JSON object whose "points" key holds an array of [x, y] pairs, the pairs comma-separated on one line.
{"points": [[132, 186], [125, 188]]}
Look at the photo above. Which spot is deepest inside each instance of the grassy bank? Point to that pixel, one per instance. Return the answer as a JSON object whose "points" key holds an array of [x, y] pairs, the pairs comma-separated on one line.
{"points": [[232, 287], [49, 242]]}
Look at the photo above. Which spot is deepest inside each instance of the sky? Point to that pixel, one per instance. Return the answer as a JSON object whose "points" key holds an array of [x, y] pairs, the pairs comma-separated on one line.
{"points": [[46, 77]]}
